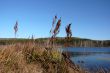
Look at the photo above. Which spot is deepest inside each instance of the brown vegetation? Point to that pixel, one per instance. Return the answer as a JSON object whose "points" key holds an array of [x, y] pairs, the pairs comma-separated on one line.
{"points": [[29, 58]]}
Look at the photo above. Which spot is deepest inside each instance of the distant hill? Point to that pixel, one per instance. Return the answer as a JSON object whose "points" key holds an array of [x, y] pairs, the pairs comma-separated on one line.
{"points": [[74, 41]]}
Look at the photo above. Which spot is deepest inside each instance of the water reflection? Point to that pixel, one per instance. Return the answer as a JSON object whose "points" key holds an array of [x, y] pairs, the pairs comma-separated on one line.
{"points": [[90, 58]]}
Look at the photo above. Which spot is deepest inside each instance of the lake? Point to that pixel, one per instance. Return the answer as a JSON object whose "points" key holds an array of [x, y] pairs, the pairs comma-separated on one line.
{"points": [[90, 58]]}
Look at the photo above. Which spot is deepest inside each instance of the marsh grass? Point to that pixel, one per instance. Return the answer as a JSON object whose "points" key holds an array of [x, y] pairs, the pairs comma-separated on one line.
{"points": [[51, 61], [29, 58], [12, 60]]}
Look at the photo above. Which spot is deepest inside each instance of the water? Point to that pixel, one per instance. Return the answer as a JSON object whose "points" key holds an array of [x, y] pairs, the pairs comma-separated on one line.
{"points": [[90, 58]]}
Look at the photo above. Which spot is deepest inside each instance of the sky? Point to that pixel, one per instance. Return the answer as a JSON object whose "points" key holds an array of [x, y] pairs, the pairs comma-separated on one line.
{"points": [[89, 18]]}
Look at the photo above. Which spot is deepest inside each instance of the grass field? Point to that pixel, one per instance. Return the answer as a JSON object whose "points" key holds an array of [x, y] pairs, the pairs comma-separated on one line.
{"points": [[32, 58]]}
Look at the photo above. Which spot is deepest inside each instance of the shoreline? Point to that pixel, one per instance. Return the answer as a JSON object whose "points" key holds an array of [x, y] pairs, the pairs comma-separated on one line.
{"points": [[37, 56], [21, 57]]}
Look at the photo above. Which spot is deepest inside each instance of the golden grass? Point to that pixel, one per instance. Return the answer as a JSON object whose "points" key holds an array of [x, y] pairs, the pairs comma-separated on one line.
{"points": [[30, 58], [33, 58], [12, 60]]}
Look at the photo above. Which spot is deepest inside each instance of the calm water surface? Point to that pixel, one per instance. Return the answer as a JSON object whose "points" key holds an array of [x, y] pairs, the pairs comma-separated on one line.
{"points": [[90, 58]]}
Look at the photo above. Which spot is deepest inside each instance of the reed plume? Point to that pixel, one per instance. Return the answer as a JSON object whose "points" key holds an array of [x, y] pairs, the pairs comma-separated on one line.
{"points": [[16, 28], [53, 23], [55, 31], [68, 31]]}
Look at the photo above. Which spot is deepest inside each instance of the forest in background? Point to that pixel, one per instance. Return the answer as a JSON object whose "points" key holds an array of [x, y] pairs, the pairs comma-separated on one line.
{"points": [[60, 41]]}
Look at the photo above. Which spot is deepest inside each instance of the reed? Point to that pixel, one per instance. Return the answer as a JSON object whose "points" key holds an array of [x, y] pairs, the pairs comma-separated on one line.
{"points": [[16, 28], [26, 58]]}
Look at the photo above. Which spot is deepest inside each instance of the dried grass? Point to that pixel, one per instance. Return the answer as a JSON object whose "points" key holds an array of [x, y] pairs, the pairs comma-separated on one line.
{"points": [[29, 58]]}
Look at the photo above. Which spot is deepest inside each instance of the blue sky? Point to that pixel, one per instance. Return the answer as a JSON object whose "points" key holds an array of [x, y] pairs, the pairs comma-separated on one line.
{"points": [[89, 18]]}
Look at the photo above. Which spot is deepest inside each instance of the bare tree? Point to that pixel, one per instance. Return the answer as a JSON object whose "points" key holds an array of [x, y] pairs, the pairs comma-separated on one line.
{"points": [[16, 28]]}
